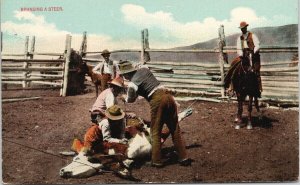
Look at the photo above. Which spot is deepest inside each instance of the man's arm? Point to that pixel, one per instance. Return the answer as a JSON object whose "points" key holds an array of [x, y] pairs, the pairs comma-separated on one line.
{"points": [[131, 93], [239, 47], [110, 100], [256, 43], [104, 127], [97, 67]]}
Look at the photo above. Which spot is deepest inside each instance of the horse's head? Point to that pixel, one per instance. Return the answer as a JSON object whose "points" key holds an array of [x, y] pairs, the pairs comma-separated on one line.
{"points": [[77, 63]]}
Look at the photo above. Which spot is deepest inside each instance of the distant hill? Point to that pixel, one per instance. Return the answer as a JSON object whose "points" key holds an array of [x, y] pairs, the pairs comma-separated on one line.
{"points": [[277, 36]]}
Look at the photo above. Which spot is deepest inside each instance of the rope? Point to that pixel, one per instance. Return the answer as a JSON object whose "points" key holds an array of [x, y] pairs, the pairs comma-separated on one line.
{"points": [[48, 153]]}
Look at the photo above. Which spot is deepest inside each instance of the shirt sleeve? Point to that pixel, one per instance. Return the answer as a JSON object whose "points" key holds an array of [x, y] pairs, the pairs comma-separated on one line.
{"points": [[110, 100], [239, 47], [117, 69], [97, 67], [105, 129], [131, 92], [256, 43]]}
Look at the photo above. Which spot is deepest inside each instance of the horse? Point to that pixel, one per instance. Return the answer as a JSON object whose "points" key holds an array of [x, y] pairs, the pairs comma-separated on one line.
{"points": [[118, 157], [95, 77], [76, 75], [244, 83]]}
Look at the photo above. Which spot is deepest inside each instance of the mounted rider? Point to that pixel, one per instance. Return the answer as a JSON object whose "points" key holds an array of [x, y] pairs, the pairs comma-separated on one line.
{"points": [[247, 49]]}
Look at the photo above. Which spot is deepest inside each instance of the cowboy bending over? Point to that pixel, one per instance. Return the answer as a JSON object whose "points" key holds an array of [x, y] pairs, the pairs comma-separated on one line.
{"points": [[163, 110]]}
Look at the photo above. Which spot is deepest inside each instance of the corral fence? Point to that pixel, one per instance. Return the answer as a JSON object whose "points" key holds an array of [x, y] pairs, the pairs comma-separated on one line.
{"points": [[196, 80], [33, 74], [201, 80]]}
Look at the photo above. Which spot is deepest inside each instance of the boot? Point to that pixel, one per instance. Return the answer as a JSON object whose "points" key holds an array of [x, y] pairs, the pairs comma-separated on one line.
{"points": [[77, 145]]}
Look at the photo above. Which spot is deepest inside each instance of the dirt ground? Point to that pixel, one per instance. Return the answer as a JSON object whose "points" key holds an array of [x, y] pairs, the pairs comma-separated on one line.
{"points": [[269, 152]]}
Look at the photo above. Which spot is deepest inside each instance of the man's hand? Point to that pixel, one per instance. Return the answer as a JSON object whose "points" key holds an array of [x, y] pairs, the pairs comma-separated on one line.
{"points": [[123, 98], [123, 141], [130, 115]]}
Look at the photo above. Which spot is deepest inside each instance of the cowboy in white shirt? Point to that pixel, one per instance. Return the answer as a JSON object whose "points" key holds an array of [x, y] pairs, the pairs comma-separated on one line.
{"points": [[248, 46], [108, 69]]}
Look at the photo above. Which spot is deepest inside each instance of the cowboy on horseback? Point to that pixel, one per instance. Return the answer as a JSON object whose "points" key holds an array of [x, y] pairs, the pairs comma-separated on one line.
{"points": [[243, 75], [248, 46]]}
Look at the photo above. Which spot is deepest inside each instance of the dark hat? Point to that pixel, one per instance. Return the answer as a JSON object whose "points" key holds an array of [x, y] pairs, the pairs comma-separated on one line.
{"points": [[126, 67], [114, 113], [243, 24], [105, 52]]}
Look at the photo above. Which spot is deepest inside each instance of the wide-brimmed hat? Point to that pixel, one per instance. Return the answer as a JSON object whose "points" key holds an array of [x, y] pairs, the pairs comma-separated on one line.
{"points": [[114, 113], [243, 24], [105, 52], [126, 67], [118, 81]]}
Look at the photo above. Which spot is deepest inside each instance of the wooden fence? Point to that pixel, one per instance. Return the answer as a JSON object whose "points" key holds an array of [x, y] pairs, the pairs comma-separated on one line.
{"points": [[204, 81], [37, 73], [191, 80]]}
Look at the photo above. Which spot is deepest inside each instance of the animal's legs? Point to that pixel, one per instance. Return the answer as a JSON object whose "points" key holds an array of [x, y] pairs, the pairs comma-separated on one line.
{"points": [[238, 119], [96, 86], [257, 108], [249, 125]]}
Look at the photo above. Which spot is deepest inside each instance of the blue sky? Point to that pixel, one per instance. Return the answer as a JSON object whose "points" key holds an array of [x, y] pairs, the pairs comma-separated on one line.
{"points": [[116, 24]]}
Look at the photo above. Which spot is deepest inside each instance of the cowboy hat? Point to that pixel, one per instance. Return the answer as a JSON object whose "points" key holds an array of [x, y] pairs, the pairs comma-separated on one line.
{"points": [[243, 24], [114, 113], [105, 52], [126, 67], [118, 81]]}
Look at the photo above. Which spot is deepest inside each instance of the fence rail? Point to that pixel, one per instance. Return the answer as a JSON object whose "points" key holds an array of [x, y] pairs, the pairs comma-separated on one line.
{"points": [[49, 73], [202, 80]]}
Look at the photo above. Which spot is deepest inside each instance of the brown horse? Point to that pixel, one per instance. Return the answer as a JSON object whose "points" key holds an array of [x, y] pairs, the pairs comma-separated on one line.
{"points": [[95, 77], [244, 82]]}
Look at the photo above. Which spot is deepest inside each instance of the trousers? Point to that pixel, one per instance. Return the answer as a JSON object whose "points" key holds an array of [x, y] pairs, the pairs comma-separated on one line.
{"points": [[164, 111]]}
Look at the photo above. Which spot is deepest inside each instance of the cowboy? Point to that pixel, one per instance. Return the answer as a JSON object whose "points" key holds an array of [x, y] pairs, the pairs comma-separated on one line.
{"points": [[248, 46], [163, 109], [107, 69], [104, 138], [107, 98]]}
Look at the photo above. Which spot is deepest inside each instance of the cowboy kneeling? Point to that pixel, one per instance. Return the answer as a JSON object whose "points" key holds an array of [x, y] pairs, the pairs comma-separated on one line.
{"points": [[106, 138]]}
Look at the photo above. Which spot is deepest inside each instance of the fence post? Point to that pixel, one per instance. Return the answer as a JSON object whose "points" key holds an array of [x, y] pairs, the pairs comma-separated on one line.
{"points": [[32, 49], [222, 43], [146, 43], [1, 40], [142, 47], [66, 65], [25, 64], [83, 46]]}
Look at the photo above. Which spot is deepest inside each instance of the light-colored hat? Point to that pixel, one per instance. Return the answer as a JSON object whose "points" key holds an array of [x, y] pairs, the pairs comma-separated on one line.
{"points": [[126, 67], [118, 81], [243, 24], [114, 113], [105, 52]]}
